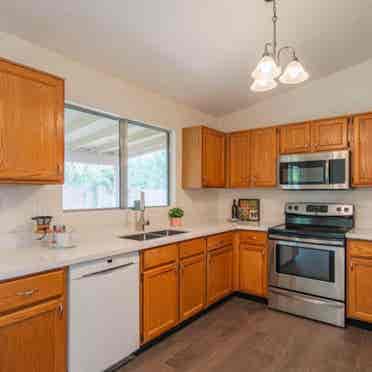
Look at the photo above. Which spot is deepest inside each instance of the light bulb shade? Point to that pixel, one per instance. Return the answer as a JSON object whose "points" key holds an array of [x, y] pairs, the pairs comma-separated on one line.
{"points": [[267, 69], [263, 85], [294, 73]]}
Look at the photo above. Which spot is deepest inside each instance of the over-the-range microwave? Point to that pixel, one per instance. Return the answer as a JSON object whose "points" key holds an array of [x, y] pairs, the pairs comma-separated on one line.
{"points": [[316, 171]]}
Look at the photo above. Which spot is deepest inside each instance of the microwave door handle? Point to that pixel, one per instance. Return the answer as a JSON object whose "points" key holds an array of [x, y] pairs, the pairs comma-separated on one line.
{"points": [[326, 171]]}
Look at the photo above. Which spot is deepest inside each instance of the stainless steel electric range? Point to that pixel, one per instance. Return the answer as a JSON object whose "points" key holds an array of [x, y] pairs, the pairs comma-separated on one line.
{"points": [[307, 261]]}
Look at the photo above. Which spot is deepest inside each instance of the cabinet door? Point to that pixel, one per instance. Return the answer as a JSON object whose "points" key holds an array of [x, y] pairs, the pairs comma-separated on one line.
{"points": [[329, 135], [34, 339], [31, 125], [219, 274], [213, 158], [253, 269], [295, 138], [160, 300], [360, 288], [192, 286], [264, 157], [239, 160], [362, 153]]}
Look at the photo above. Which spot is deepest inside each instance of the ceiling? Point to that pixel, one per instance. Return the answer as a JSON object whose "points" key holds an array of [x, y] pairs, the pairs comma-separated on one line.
{"points": [[199, 52]]}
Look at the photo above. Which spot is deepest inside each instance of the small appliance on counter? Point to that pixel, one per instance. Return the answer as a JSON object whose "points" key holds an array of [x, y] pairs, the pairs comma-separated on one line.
{"points": [[307, 261], [42, 225]]}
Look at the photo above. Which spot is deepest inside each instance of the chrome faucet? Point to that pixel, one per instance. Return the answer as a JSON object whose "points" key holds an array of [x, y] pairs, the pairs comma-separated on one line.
{"points": [[139, 206]]}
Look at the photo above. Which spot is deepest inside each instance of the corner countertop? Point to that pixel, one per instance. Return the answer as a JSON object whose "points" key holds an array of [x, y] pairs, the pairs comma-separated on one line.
{"points": [[360, 234], [38, 256]]}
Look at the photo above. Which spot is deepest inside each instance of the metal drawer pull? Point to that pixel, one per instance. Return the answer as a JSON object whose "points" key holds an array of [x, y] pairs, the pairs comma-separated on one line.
{"points": [[27, 293]]}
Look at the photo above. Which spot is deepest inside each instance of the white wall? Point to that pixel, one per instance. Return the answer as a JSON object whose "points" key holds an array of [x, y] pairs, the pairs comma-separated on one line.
{"points": [[87, 87], [347, 91]]}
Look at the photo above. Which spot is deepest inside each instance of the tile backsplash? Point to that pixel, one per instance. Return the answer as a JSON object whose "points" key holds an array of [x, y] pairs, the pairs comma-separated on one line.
{"points": [[273, 201]]}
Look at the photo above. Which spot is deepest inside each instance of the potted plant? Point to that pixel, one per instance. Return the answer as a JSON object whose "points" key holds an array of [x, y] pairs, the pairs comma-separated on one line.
{"points": [[175, 215]]}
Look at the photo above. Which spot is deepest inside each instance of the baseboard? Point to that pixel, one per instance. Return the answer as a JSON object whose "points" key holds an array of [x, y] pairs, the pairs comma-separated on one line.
{"points": [[359, 324], [261, 300]]}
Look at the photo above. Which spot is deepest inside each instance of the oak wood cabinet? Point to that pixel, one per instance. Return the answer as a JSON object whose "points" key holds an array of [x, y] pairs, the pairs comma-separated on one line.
{"points": [[294, 138], [159, 300], [362, 150], [203, 158], [264, 154], [329, 134], [253, 263], [219, 273], [239, 159], [33, 333], [192, 286], [31, 125], [359, 283], [319, 135]]}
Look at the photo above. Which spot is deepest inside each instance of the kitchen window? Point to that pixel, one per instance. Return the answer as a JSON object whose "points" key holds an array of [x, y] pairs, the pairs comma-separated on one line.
{"points": [[109, 160]]}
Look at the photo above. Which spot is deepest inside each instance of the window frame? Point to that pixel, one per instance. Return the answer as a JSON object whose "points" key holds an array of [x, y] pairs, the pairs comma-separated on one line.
{"points": [[123, 159]]}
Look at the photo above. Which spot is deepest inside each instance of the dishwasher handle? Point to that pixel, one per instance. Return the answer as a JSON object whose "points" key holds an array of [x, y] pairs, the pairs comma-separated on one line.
{"points": [[106, 271]]}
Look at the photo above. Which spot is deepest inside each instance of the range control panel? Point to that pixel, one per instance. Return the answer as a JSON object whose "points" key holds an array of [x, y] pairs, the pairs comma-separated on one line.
{"points": [[320, 209]]}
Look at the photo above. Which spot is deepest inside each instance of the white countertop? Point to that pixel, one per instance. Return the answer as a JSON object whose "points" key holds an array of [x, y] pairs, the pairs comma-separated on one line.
{"points": [[38, 256], [360, 233]]}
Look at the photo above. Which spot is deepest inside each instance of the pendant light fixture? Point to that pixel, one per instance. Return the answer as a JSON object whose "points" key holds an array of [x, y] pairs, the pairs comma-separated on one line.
{"points": [[269, 67]]}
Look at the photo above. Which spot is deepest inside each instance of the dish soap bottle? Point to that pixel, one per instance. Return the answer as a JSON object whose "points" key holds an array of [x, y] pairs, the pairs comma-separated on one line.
{"points": [[234, 211]]}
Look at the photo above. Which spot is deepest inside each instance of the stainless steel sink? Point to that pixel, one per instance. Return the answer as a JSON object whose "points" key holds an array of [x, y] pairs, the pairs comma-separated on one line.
{"points": [[152, 235], [168, 232]]}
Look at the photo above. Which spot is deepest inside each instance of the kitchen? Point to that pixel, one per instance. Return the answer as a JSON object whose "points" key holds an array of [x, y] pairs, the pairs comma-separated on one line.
{"points": [[340, 96]]}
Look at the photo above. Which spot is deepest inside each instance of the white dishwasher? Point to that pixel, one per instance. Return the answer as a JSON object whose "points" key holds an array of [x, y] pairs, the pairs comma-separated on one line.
{"points": [[103, 312]]}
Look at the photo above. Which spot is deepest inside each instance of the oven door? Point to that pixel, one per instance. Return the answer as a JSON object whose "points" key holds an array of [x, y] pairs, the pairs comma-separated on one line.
{"points": [[314, 269]]}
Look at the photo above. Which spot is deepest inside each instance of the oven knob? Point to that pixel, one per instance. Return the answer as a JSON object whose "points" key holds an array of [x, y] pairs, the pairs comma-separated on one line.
{"points": [[296, 208], [339, 209], [346, 209], [290, 207]]}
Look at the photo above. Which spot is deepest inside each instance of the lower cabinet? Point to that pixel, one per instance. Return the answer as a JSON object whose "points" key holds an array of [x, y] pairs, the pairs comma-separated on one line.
{"points": [[253, 263], [192, 286], [219, 273], [160, 300], [252, 269], [359, 280], [33, 336]]}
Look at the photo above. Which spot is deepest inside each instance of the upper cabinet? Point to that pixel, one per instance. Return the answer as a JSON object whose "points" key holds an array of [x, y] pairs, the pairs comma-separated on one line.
{"points": [[294, 138], [264, 152], [329, 135], [239, 159], [319, 135], [203, 158], [31, 125], [362, 154]]}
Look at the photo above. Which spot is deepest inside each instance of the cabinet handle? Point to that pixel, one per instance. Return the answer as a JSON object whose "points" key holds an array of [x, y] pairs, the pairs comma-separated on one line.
{"points": [[263, 253], [27, 293], [60, 310], [59, 168], [351, 266]]}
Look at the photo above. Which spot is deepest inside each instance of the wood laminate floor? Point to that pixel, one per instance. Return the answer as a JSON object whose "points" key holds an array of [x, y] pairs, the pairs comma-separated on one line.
{"points": [[242, 336]]}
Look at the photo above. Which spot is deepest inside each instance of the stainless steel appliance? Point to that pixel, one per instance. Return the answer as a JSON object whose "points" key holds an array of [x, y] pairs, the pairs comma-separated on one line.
{"points": [[323, 170], [307, 261]]}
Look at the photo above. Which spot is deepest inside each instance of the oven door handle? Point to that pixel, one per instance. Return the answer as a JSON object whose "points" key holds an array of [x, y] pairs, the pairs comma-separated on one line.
{"points": [[310, 243], [307, 245], [326, 171]]}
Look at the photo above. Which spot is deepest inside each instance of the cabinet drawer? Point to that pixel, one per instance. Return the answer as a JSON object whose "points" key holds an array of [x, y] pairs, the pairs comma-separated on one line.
{"points": [[253, 237], [26, 291], [160, 256], [191, 248], [360, 248], [219, 241]]}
